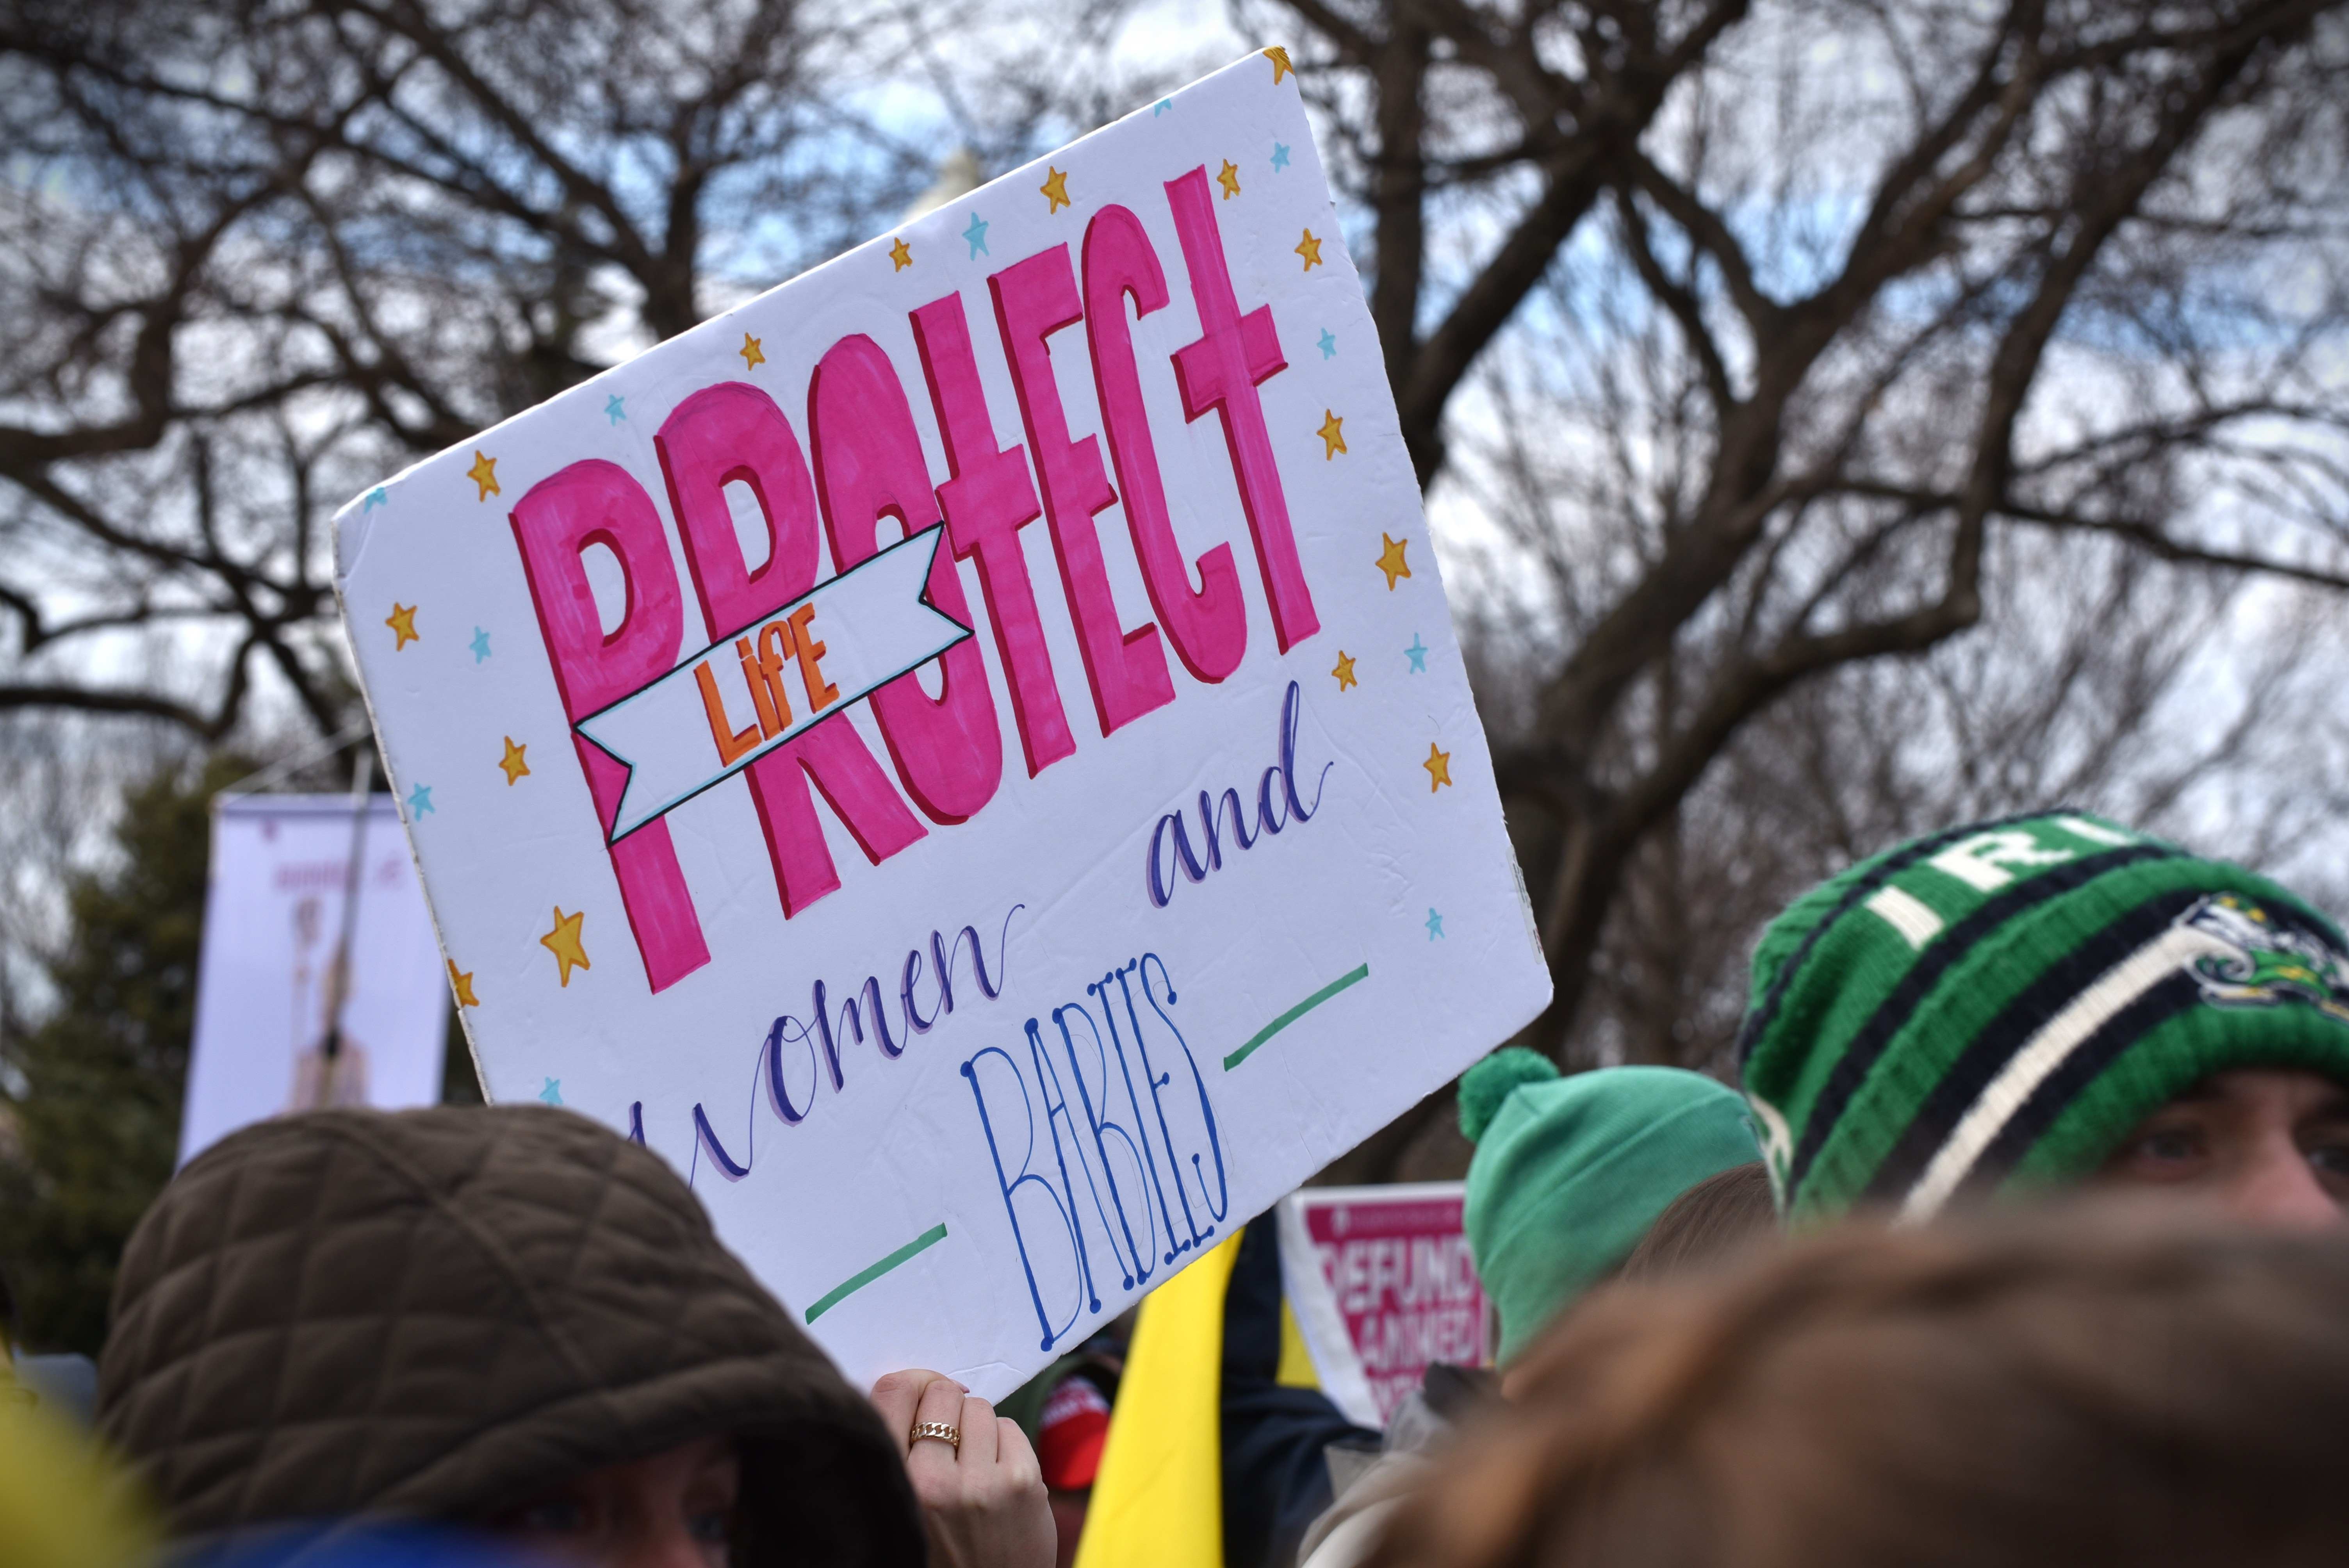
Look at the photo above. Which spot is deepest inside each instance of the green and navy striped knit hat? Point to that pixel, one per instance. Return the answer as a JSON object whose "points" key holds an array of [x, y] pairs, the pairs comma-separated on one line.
{"points": [[1994, 1008]]}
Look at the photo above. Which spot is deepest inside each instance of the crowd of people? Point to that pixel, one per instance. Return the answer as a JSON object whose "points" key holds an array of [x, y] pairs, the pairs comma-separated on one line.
{"points": [[2021, 1243]]}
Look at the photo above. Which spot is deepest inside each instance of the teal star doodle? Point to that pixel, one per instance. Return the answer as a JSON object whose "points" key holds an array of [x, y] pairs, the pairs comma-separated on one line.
{"points": [[480, 644], [612, 409], [976, 235], [1279, 155], [1328, 343], [375, 497], [1161, 108], [420, 801], [1417, 655], [1434, 924], [553, 1092]]}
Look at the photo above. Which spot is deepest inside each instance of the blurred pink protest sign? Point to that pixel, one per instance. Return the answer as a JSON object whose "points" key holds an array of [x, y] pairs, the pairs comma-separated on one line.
{"points": [[1383, 1286]]}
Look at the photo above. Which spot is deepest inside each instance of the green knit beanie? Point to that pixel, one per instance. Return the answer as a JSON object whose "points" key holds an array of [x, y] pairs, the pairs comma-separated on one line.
{"points": [[1569, 1173], [1992, 1008]]}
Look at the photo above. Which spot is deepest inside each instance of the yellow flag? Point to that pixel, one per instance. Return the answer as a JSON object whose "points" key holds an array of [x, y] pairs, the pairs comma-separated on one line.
{"points": [[62, 1504], [1159, 1499]]}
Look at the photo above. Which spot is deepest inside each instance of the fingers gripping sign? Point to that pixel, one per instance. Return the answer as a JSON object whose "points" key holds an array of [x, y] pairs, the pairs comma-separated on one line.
{"points": [[981, 1491]]}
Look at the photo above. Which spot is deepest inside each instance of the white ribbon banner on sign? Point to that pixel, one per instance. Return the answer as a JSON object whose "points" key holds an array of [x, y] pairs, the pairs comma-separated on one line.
{"points": [[741, 696]]}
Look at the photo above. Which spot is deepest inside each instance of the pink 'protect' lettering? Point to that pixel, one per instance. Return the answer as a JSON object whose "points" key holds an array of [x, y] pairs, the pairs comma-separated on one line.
{"points": [[1208, 626], [1127, 670], [988, 501], [1221, 371], [596, 502], [869, 465], [722, 434]]}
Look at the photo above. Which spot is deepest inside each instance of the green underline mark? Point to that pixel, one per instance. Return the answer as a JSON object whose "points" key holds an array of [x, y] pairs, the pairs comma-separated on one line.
{"points": [[865, 1277], [1360, 972]]}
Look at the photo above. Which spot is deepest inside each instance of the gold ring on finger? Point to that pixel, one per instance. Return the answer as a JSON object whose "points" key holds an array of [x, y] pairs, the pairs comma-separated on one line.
{"points": [[945, 1433]]}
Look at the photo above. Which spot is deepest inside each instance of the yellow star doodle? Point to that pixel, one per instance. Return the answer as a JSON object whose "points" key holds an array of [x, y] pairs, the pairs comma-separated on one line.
{"points": [[515, 768], [901, 255], [1391, 561], [1334, 438], [564, 943], [1345, 670], [1280, 66], [750, 352], [402, 621], [1439, 767], [1310, 248], [463, 981], [484, 473], [1230, 179], [1055, 189]]}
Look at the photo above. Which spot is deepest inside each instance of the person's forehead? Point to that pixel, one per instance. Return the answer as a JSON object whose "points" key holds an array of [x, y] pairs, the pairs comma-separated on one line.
{"points": [[2304, 1090]]}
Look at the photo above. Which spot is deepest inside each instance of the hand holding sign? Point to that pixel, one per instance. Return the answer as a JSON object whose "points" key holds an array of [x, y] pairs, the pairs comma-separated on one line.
{"points": [[982, 1494], [1025, 811]]}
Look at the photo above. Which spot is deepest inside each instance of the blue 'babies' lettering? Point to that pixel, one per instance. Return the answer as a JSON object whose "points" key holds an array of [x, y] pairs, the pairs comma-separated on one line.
{"points": [[1132, 1170], [1220, 1205], [1048, 1222], [1122, 1172]]}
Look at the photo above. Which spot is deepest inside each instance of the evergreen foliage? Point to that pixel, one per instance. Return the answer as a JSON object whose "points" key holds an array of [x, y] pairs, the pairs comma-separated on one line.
{"points": [[94, 1110]]}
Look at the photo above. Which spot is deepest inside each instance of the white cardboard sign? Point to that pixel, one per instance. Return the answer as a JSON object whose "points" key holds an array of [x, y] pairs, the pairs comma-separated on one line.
{"points": [[984, 1003], [270, 981]]}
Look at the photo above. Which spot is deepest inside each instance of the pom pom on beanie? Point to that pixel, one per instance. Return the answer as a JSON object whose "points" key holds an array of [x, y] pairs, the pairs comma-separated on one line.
{"points": [[1569, 1173], [1485, 1087]]}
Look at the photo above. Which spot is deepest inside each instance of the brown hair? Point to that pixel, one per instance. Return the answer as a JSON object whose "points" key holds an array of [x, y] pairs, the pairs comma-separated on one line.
{"points": [[2060, 1390], [1711, 1222]]}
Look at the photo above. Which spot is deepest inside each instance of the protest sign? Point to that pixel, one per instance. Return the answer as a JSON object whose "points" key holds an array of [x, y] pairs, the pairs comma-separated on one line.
{"points": [[1383, 1285], [278, 962], [982, 955]]}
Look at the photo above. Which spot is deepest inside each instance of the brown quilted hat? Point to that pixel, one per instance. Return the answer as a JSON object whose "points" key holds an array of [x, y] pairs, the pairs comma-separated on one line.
{"points": [[434, 1314]]}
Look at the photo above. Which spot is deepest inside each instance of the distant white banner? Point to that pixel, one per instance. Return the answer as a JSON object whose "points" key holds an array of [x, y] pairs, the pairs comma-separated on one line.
{"points": [[270, 987], [828, 648]]}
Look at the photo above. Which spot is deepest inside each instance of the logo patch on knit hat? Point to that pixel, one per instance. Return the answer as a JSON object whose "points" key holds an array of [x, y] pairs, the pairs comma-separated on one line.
{"points": [[2268, 963], [1778, 1141]]}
